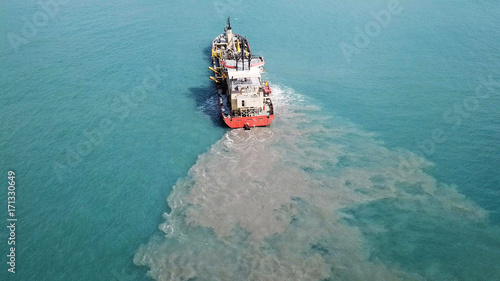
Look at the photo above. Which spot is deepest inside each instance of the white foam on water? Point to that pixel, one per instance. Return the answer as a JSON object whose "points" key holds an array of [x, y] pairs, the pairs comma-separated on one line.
{"points": [[266, 204]]}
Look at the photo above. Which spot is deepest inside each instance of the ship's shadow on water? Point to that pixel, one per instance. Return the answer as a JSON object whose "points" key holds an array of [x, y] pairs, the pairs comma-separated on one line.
{"points": [[206, 96], [206, 100]]}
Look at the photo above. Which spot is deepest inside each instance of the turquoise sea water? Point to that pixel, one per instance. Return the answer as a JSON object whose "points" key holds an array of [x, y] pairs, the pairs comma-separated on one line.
{"points": [[382, 162]]}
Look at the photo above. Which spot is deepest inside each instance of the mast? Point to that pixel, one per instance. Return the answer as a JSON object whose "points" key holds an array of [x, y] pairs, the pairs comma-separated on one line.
{"points": [[229, 34]]}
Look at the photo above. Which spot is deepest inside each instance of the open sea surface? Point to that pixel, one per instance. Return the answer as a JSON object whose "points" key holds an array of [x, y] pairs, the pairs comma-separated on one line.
{"points": [[383, 162]]}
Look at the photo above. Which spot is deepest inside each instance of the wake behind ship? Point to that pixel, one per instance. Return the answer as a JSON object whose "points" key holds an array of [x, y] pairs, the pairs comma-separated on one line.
{"points": [[244, 99]]}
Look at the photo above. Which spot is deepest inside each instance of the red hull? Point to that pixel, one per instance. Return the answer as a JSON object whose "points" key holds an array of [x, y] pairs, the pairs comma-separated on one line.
{"points": [[254, 121]]}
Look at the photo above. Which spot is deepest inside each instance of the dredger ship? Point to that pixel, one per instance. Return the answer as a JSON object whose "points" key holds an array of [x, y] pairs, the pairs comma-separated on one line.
{"points": [[244, 99]]}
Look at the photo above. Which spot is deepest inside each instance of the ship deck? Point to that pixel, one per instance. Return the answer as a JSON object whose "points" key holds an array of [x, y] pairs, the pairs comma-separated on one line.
{"points": [[226, 108]]}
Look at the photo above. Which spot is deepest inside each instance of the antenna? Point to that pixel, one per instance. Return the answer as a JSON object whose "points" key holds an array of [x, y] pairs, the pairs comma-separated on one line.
{"points": [[228, 26]]}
